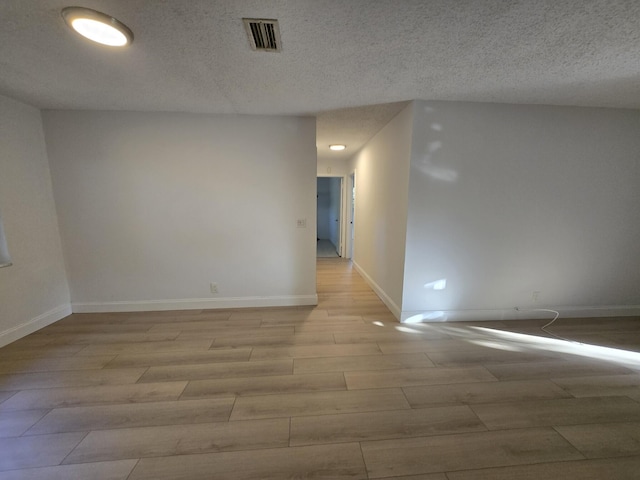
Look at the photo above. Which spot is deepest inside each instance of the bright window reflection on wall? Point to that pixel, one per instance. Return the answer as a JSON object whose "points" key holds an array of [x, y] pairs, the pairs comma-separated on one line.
{"points": [[5, 260]]}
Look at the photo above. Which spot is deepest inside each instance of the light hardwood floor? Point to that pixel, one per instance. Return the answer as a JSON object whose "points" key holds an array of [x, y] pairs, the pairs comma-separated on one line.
{"points": [[339, 391], [326, 249]]}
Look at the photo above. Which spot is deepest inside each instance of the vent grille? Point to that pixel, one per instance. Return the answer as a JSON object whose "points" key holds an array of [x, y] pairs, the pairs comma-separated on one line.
{"points": [[264, 35]]}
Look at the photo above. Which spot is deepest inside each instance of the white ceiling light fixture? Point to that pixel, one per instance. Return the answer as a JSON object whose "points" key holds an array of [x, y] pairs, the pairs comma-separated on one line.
{"points": [[337, 148], [97, 26]]}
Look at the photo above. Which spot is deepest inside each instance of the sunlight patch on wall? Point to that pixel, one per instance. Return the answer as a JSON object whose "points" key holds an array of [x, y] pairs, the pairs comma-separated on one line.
{"points": [[437, 285], [437, 316]]}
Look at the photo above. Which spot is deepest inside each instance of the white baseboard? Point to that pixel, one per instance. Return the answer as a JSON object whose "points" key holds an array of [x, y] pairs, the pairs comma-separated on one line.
{"points": [[386, 299], [521, 314], [195, 304], [41, 321]]}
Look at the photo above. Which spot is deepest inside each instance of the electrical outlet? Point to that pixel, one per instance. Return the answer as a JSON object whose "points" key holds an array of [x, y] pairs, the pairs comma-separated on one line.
{"points": [[535, 296], [301, 223], [214, 287]]}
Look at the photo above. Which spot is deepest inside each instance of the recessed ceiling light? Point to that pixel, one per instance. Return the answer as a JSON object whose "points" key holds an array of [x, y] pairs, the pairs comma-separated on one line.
{"points": [[337, 147], [97, 26]]}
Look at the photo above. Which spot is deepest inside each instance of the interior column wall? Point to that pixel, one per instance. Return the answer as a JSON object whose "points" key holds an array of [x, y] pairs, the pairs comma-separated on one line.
{"points": [[529, 206], [33, 291]]}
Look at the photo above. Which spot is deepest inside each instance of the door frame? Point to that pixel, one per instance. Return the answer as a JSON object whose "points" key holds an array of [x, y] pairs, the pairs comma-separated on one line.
{"points": [[350, 211]]}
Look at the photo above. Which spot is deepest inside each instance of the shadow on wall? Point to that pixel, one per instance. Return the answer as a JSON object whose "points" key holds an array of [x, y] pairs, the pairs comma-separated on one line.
{"points": [[431, 165], [428, 164]]}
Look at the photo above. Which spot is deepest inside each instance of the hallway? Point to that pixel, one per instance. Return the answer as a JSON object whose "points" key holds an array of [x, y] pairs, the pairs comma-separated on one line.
{"points": [[325, 249]]}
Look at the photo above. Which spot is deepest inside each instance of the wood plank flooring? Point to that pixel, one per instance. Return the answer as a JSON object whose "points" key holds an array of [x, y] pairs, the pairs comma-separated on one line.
{"points": [[337, 391]]}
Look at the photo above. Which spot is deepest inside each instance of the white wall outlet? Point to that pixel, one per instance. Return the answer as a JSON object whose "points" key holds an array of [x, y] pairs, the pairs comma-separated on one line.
{"points": [[535, 296], [301, 223], [214, 287]]}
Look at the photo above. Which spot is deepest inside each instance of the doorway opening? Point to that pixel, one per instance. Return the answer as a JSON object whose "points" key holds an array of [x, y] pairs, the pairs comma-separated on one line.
{"points": [[329, 217]]}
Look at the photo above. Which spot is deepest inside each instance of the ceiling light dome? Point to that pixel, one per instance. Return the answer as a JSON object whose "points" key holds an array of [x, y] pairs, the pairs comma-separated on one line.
{"points": [[337, 147], [97, 26]]}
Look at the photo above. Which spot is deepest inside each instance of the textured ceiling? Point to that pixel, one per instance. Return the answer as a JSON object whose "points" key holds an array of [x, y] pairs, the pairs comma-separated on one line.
{"points": [[352, 127], [193, 56]]}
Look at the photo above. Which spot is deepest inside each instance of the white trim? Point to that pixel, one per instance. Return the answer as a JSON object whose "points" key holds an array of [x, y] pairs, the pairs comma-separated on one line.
{"points": [[14, 333], [523, 313], [386, 299], [195, 304]]}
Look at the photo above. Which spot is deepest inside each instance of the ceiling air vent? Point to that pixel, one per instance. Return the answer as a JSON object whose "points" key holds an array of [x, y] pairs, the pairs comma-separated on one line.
{"points": [[264, 35]]}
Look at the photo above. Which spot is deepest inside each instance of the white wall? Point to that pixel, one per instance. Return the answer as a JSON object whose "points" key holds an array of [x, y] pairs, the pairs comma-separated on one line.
{"points": [[505, 200], [34, 290], [382, 182], [155, 206], [337, 168]]}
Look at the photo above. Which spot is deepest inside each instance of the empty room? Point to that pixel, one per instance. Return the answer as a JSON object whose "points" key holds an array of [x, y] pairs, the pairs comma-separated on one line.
{"points": [[318, 239]]}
